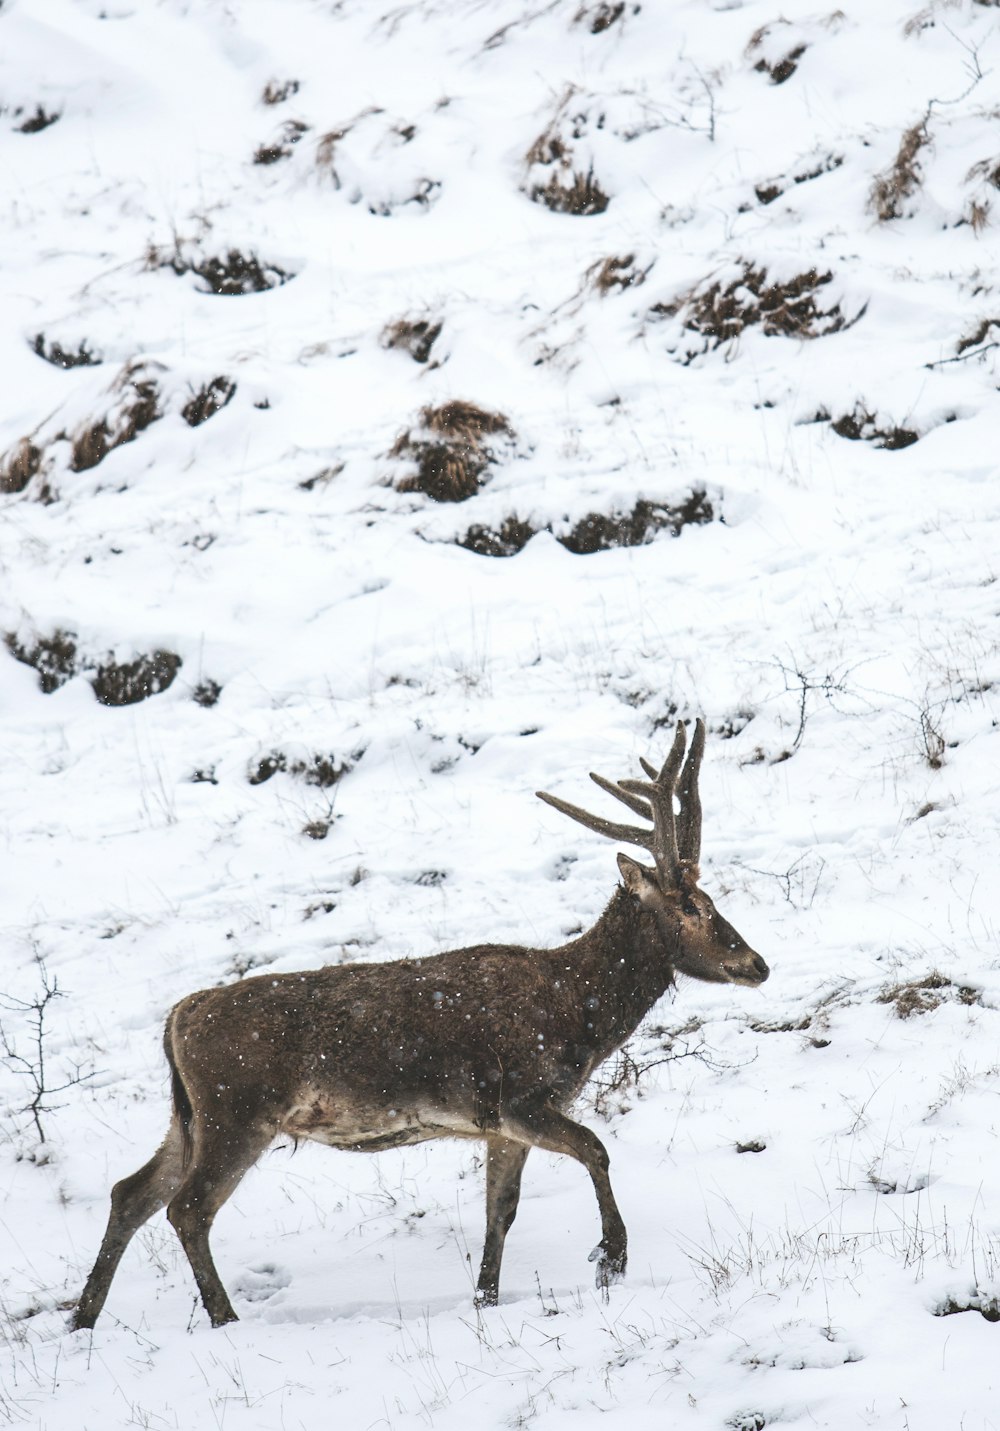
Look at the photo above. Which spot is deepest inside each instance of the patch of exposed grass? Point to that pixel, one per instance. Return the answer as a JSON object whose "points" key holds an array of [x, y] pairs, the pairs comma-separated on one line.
{"points": [[60, 357], [903, 176], [207, 401], [596, 532], [720, 311], [136, 409], [451, 450], [415, 336], [19, 465], [125, 683], [53, 657], [232, 275]]}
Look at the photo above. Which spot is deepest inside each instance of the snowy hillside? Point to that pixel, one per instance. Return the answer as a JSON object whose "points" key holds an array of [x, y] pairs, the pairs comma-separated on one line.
{"points": [[411, 407]]}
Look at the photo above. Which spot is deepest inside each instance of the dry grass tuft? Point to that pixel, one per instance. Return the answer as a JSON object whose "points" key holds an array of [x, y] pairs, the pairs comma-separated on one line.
{"points": [[720, 312], [291, 132], [125, 683], [323, 771], [19, 466], [41, 119], [235, 274], [978, 338], [207, 401], [598, 533], [902, 178], [922, 996], [595, 532], [616, 273], [571, 193], [777, 70], [277, 91], [61, 357], [135, 411], [415, 336], [53, 657], [861, 426], [600, 17], [451, 450]]}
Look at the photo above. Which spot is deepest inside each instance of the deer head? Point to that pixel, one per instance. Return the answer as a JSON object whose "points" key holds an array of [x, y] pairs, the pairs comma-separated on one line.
{"points": [[703, 944]]}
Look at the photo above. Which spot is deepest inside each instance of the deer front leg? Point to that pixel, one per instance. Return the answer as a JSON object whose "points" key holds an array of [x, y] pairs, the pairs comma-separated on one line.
{"points": [[547, 1127], [504, 1165]]}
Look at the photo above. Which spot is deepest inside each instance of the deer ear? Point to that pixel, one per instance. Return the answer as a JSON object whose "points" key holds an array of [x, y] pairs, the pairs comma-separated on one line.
{"points": [[639, 880]]}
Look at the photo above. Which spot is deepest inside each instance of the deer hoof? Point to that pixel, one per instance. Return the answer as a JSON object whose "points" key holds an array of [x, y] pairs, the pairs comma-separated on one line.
{"points": [[610, 1266]]}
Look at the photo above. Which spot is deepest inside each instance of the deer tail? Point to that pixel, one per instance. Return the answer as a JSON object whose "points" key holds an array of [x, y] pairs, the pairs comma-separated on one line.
{"points": [[183, 1110]]}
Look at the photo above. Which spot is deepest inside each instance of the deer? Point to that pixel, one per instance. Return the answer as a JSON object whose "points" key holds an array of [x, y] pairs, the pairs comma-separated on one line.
{"points": [[492, 1042]]}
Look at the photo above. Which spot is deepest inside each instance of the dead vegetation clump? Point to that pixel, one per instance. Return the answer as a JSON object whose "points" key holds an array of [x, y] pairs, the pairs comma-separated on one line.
{"points": [[566, 188], [571, 192], [771, 189], [60, 357], [451, 450], [135, 410], [53, 657], [975, 344], [922, 996], [780, 68], [125, 683], [231, 276], [600, 17], [595, 532], [903, 176], [720, 311], [613, 273], [57, 659], [415, 336], [507, 540], [19, 466], [207, 401], [862, 426], [277, 91], [291, 132], [598, 533], [41, 119], [323, 771], [206, 693]]}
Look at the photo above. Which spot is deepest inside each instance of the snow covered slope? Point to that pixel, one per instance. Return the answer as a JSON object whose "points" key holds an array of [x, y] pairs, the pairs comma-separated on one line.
{"points": [[407, 408]]}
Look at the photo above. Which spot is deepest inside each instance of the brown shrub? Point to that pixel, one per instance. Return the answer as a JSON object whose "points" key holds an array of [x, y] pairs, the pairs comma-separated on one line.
{"points": [[506, 540], [781, 69], [40, 120], [903, 176], [450, 450]]}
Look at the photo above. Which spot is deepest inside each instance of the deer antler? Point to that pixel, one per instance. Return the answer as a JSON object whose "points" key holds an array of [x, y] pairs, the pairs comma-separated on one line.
{"points": [[672, 839]]}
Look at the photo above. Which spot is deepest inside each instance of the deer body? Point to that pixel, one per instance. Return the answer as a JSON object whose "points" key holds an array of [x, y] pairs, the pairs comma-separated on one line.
{"points": [[490, 1042]]}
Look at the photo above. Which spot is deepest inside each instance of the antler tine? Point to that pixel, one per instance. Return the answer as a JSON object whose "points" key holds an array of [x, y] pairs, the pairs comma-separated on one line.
{"points": [[649, 767], [689, 821], [634, 803], [628, 834]]}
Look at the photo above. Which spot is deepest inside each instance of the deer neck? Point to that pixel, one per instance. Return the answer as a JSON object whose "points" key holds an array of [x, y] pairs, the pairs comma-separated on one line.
{"points": [[623, 965]]}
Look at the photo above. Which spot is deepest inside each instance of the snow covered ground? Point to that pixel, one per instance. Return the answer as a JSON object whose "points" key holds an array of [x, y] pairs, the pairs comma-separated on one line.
{"points": [[701, 266]]}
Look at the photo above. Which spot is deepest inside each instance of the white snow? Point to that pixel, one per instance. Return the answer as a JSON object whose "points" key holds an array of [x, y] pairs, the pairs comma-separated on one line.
{"points": [[836, 625]]}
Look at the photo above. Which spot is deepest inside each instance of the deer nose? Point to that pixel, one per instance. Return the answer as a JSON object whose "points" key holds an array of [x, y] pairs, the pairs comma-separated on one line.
{"points": [[760, 968]]}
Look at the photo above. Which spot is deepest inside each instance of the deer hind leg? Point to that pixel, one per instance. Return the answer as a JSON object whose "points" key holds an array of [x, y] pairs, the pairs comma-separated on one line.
{"points": [[504, 1165], [222, 1158], [133, 1202], [547, 1127]]}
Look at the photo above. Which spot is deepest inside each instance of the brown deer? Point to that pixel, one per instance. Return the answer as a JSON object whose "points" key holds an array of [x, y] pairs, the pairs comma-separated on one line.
{"points": [[491, 1042]]}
